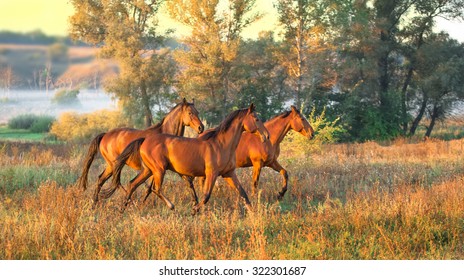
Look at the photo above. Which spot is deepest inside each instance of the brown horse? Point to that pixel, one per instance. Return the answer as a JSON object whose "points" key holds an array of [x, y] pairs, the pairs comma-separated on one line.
{"points": [[209, 157], [112, 143], [252, 152]]}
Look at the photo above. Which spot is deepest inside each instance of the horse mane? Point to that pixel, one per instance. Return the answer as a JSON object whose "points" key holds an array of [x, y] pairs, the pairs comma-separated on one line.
{"points": [[166, 120], [284, 114], [225, 124]]}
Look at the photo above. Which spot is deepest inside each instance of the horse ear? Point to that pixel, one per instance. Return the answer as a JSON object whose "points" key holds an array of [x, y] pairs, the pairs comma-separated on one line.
{"points": [[294, 108], [252, 108], [193, 101], [184, 101]]}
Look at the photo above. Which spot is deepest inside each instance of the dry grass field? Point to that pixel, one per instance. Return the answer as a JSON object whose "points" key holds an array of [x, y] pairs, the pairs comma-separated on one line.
{"points": [[346, 201]]}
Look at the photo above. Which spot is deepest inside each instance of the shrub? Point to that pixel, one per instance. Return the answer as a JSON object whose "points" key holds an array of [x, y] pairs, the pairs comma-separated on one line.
{"points": [[325, 131], [21, 121], [72, 126], [34, 123], [65, 97], [42, 124]]}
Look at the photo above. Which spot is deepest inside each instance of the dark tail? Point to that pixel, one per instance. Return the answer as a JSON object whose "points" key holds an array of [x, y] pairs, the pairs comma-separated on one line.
{"points": [[93, 150], [132, 150]]}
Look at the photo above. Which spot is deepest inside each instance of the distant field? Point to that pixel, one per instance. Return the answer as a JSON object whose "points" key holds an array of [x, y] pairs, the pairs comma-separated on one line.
{"points": [[19, 135]]}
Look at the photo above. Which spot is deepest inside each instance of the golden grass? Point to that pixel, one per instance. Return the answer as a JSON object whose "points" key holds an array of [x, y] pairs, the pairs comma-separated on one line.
{"points": [[349, 201]]}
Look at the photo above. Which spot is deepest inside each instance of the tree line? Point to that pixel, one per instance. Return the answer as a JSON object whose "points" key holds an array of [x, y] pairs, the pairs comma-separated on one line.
{"points": [[378, 65]]}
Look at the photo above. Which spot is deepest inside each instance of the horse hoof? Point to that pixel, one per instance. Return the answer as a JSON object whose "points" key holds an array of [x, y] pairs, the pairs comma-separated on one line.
{"points": [[194, 211]]}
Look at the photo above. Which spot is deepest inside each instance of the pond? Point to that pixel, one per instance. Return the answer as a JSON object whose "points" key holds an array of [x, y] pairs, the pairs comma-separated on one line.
{"points": [[19, 102]]}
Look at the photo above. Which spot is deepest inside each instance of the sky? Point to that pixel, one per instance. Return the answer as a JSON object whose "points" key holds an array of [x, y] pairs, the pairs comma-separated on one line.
{"points": [[51, 17]]}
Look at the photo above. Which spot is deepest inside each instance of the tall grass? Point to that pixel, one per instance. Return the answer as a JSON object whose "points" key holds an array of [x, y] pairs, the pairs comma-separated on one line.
{"points": [[358, 201]]}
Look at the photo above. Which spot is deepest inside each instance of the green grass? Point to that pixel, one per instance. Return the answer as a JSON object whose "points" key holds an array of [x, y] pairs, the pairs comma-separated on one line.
{"points": [[20, 134]]}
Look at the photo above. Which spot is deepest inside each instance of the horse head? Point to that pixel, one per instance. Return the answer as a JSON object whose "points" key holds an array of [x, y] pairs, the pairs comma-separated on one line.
{"points": [[254, 125], [190, 116], [300, 124]]}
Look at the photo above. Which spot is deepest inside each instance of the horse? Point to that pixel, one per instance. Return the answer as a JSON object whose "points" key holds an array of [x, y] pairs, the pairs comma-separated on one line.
{"points": [[252, 152], [211, 156], [113, 142]]}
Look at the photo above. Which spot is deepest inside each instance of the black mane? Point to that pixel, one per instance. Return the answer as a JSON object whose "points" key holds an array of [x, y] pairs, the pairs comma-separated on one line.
{"points": [[224, 125]]}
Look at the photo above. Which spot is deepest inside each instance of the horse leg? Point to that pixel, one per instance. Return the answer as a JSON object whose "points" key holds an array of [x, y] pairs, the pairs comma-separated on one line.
{"points": [[233, 181], [277, 167], [210, 179], [149, 187], [158, 178], [257, 166], [134, 184], [189, 180], [102, 178]]}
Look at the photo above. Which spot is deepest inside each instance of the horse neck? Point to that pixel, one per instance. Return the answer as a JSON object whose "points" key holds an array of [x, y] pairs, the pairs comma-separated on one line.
{"points": [[172, 123], [229, 139], [278, 127]]}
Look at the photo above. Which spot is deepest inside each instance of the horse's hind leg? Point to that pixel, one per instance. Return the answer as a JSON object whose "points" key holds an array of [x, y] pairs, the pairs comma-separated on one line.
{"points": [[257, 166], [158, 178], [149, 186], [134, 184], [277, 167], [209, 181], [233, 181], [102, 178], [189, 180]]}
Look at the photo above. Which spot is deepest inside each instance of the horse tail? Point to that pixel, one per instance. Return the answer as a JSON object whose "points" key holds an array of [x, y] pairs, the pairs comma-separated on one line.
{"points": [[93, 150], [131, 150]]}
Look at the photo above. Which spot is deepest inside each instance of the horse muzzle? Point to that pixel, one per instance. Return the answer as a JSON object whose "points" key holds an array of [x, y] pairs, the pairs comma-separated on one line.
{"points": [[264, 136], [200, 129]]}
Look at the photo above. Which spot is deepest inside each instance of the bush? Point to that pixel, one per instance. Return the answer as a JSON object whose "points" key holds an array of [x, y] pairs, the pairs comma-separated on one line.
{"points": [[42, 124], [325, 131], [34, 123], [65, 97], [72, 126]]}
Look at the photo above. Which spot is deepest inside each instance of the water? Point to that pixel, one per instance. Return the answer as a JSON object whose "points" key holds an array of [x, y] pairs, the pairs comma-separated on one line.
{"points": [[19, 102]]}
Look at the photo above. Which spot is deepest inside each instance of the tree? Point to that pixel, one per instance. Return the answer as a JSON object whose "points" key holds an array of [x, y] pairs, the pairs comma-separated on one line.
{"points": [[304, 23], [7, 78], [440, 64], [260, 76], [211, 51], [378, 42], [125, 31]]}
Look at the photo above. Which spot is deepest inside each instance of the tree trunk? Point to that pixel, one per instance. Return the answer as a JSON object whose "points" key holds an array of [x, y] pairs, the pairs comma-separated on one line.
{"points": [[419, 116], [404, 100], [146, 106], [434, 117]]}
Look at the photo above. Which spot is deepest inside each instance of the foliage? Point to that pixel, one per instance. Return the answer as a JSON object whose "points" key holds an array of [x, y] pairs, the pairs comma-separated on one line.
{"points": [[34, 123], [325, 131], [210, 54], [66, 97], [81, 127], [100, 22]]}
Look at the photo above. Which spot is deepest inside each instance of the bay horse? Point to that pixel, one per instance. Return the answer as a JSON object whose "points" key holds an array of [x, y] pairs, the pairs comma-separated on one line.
{"points": [[252, 152], [211, 156], [113, 142]]}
